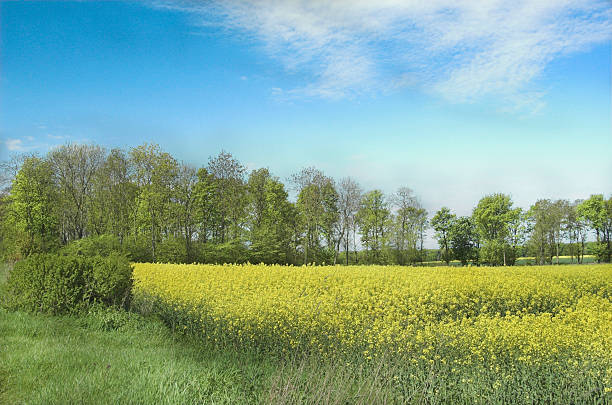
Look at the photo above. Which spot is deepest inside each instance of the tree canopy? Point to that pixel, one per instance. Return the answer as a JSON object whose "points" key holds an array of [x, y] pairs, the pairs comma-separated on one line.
{"points": [[159, 209]]}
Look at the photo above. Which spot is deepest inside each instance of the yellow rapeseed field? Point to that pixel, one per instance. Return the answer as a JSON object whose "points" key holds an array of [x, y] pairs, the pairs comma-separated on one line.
{"points": [[541, 315]]}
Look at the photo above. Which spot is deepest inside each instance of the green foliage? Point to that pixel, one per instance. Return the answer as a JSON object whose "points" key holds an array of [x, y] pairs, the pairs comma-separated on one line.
{"points": [[463, 240], [113, 201], [597, 212], [600, 250], [492, 217], [74, 167], [171, 250], [271, 221], [408, 227], [158, 209], [9, 234], [442, 223], [230, 197], [102, 245], [108, 280], [229, 252], [206, 205], [46, 283], [34, 202], [139, 248], [549, 222], [497, 253], [373, 219], [317, 206], [59, 284], [154, 174], [594, 212]]}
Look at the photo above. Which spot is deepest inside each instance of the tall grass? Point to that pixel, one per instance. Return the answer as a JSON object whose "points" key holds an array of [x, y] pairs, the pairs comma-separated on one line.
{"points": [[110, 356], [91, 360]]}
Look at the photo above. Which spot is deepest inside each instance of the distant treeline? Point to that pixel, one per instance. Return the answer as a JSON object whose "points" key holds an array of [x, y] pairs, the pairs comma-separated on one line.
{"points": [[156, 209]]}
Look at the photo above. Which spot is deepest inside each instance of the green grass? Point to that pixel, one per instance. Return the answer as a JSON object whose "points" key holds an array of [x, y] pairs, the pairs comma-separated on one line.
{"points": [[112, 357], [123, 358], [87, 359]]}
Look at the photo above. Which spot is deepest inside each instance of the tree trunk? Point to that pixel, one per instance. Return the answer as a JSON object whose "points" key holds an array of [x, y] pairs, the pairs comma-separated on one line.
{"points": [[608, 237], [187, 244], [307, 241], [153, 237], [355, 245], [346, 245]]}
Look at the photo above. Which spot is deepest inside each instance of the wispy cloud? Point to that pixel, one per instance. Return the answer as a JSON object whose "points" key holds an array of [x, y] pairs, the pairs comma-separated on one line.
{"points": [[14, 145], [461, 50], [29, 143]]}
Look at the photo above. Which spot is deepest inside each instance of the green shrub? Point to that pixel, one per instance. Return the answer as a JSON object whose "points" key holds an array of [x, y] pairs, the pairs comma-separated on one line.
{"points": [[111, 280], [109, 318], [59, 283], [600, 251], [102, 245], [171, 250], [492, 253], [139, 249], [229, 252]]}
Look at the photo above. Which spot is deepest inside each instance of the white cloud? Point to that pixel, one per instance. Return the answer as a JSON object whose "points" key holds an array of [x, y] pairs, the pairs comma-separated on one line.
{"points": [[14, 145], [27, 144], [461, 50]]}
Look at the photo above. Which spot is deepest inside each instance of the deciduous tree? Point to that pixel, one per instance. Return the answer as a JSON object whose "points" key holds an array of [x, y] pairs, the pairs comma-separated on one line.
{"points": [[34, 197], [75, 167], [463, 239], [442, 223], [373, 220], [491, 217]]}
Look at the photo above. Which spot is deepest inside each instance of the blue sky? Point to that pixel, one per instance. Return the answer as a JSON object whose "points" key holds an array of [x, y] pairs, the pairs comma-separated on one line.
{"points": [[453, 99]]}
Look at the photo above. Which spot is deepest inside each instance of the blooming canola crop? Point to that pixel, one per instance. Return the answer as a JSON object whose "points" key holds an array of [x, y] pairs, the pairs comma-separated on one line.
{"points": [[551, 315]]}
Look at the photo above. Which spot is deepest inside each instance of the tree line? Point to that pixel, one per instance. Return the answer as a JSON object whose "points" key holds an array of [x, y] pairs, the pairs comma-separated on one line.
{"points": [[153, 207], [497, 233]]}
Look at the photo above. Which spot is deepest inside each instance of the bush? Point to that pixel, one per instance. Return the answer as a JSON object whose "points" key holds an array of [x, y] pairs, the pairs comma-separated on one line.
{"points": [[171, 250], [111, 280], [109, 318], [600, 251], [102, 245], [492, 253], [58, 284], [139, 249], [229, 252]]}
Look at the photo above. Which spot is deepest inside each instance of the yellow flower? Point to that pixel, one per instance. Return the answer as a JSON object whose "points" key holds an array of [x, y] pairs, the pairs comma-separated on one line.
{"points": [[536, 314]]}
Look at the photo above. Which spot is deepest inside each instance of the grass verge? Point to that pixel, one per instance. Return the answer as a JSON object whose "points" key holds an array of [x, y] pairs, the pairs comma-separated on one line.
{"points": [[117, 357], [110, 356]]}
